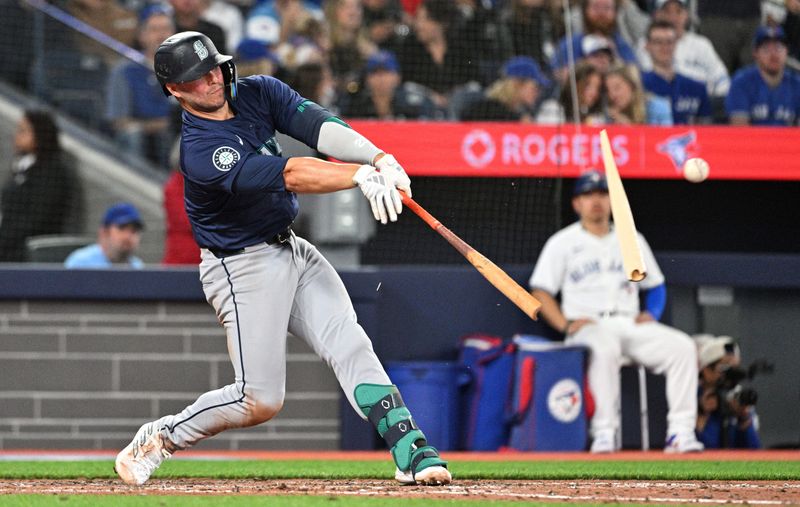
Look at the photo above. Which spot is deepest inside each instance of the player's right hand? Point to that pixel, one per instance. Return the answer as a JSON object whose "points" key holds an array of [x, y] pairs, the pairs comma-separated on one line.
{"points": [[576, 326], [381, 193]]}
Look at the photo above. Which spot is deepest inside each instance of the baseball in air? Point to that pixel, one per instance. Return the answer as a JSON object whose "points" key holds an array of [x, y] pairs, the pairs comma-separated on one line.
{"points": [[695, 170]]}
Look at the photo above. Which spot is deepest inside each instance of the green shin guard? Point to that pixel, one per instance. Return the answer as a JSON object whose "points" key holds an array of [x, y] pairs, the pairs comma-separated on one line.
{"points": [[384, 407]]}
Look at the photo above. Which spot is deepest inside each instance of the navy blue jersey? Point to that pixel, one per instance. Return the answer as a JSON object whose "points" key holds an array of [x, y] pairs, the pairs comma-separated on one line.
{"points": [[689, 98], [751, 96], [235, 194]]}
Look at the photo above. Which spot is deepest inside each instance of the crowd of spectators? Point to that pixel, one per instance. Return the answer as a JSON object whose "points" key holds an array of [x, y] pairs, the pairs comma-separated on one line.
{"points": [[658, 62]]}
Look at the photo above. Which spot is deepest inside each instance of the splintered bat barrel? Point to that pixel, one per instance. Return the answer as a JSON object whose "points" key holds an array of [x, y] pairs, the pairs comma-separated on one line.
{"points": [[496, 276], [624, 226]]}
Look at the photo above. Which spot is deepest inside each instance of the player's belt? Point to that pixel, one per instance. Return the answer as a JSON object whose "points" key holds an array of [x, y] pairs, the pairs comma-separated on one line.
{"points": [[615, 313], [280, 238]]}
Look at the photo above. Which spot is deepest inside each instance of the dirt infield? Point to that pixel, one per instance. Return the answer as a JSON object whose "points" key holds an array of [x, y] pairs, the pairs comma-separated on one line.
{"points": [[555, 491], [657, 492]]}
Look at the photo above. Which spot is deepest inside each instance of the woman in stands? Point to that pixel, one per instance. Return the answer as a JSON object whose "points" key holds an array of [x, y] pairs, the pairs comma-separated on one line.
{"points": [[42, 194], [627, 101]]}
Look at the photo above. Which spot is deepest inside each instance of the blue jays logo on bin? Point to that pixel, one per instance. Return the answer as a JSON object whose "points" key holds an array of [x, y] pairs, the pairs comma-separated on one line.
{"points": [[564, 401]]}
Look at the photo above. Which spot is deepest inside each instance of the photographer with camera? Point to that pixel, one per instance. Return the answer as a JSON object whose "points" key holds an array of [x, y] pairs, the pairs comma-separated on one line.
{"points": [[726, 416]]}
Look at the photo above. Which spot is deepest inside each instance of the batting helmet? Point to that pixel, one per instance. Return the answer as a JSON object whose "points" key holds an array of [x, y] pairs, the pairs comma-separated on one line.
{"points": [[187, 56]]}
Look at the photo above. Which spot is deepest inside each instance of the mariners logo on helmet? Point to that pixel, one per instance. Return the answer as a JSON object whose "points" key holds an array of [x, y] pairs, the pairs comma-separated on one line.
{"points": [[224, 158], [200, 50], [187, 56]]}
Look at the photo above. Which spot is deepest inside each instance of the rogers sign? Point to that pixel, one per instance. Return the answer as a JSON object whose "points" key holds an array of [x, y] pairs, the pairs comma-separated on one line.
{"points": [[479, 148], [497, 149]]}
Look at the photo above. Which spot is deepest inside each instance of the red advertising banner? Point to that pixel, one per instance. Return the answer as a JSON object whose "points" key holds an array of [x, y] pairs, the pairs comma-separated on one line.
{"points": [[514, 150]]}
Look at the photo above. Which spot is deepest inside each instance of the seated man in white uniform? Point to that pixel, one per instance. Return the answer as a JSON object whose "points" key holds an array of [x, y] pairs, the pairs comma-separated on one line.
{"points": [[600, 309]]}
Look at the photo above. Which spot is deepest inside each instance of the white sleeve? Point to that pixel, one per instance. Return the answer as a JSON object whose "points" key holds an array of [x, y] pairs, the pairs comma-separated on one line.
{"points": [[654, 275], [346, 144], [548, 274], [719, 82]]}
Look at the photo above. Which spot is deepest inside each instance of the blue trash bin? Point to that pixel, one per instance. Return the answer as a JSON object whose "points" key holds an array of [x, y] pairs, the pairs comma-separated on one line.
{"points": [[430, 391], [548, 401]]}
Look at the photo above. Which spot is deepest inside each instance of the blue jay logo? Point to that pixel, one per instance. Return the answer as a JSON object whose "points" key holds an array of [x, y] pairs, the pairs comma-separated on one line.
{"points": [[679, 148]]}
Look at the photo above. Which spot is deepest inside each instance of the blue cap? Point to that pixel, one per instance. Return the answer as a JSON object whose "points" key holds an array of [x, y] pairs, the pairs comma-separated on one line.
{"points": [[382, 60], [249, 50], [153, 9], [589, 182], [768, 33], [122, 213], [524, 67]]}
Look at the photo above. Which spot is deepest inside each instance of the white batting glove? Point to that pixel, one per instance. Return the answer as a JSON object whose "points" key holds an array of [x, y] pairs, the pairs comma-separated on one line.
{"points": [[391, 168], [381, 193]]}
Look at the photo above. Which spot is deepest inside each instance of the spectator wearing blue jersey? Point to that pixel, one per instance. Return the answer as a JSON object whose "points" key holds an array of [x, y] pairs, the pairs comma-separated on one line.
{"points": [[688, 98], [136, 107], [117, 241], [765, 93], [695, 55]]}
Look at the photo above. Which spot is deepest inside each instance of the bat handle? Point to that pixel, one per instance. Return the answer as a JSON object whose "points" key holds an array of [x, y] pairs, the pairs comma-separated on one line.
{"points": [[419, 210]]}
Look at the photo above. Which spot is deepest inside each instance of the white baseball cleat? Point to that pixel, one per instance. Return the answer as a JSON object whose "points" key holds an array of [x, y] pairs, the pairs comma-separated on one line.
{"points": [[683, 441], [432, 476], [137, 462], [604, 442]]}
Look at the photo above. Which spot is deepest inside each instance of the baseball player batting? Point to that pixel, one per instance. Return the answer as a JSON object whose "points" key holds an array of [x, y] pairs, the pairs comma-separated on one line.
{"points": [[261, 279], [600, 310]]}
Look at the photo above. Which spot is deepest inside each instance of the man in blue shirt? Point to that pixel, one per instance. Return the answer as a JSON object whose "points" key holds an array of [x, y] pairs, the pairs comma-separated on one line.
{"points": [[263, 281], [138, 111], [118, 238], [765, 93], [688, 98]]}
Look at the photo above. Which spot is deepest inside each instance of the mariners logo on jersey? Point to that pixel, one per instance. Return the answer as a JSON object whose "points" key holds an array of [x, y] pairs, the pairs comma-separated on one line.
{"points": [[200, 49], [224, 158]]}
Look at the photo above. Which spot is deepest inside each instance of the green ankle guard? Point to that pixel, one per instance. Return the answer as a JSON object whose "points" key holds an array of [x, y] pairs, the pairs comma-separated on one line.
{"points": [[385, 409]]}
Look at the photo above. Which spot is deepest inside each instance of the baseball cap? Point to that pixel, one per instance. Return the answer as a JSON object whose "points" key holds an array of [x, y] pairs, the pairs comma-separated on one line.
{"points": [[382, 60], [662, 3], [768, 33], [592, 43], [249, 50], [589, 182], [711, 349], [154, 9], [524, 67], [264, 28], [123, 213]]}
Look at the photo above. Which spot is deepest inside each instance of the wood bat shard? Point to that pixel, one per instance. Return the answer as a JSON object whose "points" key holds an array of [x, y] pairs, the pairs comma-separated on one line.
{"points": [[496, 276], [623, 217]]}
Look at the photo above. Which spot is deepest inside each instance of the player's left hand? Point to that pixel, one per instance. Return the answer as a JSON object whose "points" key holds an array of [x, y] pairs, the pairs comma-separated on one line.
{"points": [[644, 317], [394, 172]]}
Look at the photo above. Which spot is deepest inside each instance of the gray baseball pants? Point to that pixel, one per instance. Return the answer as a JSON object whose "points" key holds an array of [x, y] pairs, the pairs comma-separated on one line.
{"points": [[259, 296]]}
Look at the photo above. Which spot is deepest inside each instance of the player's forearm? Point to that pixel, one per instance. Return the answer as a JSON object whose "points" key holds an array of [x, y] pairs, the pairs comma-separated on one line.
{"points": [[550, 310], [308, 175]]}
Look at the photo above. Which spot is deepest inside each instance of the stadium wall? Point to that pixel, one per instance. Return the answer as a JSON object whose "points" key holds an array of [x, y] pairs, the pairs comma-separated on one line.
{"points": [[87, 356]]}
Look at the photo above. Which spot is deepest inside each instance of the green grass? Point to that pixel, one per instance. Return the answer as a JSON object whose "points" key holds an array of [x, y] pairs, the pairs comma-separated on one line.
{"points": [[643, 470]]}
